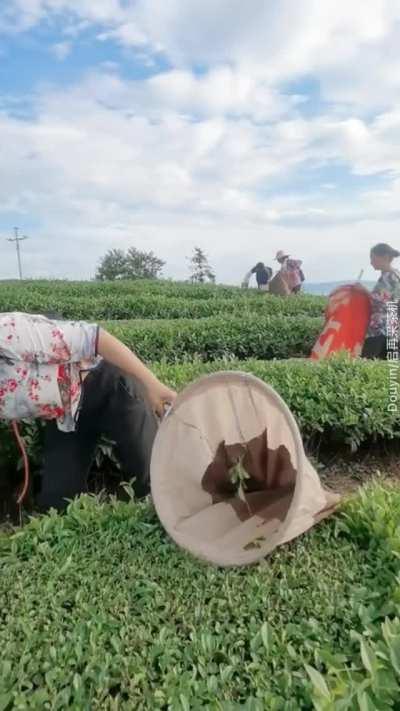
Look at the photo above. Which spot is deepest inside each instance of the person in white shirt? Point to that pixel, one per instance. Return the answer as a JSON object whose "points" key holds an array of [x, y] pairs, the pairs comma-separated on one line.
{"points": [[83, 382]]}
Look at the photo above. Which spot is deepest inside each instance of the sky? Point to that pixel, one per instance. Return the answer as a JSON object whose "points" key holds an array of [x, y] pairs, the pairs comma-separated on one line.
{"points": [[242, 128]]}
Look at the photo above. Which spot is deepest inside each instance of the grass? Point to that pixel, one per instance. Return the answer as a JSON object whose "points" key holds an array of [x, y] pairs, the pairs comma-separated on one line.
{"points": [[99, 610]]}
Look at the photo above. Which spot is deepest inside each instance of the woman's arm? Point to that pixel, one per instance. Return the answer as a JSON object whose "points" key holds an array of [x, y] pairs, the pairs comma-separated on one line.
{"points": [[115, 352]]}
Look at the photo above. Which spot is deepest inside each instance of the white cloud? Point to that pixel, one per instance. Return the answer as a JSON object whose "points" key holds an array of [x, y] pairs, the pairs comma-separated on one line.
{"points": [[351, 47], [110, 162], [21, 15], [368, 147], [61, 50], [221, 90]]}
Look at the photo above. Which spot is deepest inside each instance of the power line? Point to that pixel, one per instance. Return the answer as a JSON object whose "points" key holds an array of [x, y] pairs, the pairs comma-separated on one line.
{"points": [[17, 240]]}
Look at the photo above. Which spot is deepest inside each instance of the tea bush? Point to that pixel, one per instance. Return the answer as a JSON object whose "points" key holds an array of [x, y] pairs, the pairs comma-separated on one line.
{"points": [[157, 307], [99, 610], [101, 303], [337, 401], [167, 288], [368, 676], [149, 287], [239, 336]]}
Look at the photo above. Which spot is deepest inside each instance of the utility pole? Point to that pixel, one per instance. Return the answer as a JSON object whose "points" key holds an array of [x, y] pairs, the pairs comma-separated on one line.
{"points": [[17, 240]]}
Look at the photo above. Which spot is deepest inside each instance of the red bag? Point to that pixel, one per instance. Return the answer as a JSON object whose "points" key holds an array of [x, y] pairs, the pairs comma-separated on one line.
{"points": [[347, 318]]}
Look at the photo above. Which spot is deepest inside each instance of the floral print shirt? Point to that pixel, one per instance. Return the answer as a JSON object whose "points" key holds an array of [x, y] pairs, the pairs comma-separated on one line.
{"points": [[41, 362], [386, 290]]}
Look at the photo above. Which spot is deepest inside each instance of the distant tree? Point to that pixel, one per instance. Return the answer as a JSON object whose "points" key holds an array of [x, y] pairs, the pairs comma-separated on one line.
{"points": [[143, 265], [112, 266], [200, 268], [134, 264]]}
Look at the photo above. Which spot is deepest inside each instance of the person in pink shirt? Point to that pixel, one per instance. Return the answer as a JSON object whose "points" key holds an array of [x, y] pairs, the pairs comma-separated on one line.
{"points": [[291, 271]]}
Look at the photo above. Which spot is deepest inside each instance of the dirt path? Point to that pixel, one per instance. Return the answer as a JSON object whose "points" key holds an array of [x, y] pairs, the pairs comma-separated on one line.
{"points": [[345, 477]]}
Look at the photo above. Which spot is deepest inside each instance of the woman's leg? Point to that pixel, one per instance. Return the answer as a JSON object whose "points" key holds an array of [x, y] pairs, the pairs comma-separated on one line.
{"points": [[129, 421], [67, 460], [68, 456], [113, 405], [117, 406]]}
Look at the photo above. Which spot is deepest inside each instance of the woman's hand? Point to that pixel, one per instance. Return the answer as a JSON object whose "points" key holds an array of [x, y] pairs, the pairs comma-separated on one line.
{"points": [[160, 397], [115, 352]]}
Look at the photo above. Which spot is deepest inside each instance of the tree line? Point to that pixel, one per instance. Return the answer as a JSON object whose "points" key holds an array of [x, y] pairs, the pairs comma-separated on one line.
{"points": [[136, 264]]}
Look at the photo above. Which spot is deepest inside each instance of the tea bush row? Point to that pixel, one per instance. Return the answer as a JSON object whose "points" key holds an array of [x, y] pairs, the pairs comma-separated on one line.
{"points": [[108, 306], [167, 288], [249, 336], [338, 402], [145, 287]]}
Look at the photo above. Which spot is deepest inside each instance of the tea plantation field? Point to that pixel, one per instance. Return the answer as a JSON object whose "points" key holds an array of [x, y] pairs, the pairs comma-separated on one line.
{"points": [[100, 610]]}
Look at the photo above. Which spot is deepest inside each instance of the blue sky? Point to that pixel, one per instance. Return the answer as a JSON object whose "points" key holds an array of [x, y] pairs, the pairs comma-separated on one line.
{"points": [[28, 59], [242, 128]]}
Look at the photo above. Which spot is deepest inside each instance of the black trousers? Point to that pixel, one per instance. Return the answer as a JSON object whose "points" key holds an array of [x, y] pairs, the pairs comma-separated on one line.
{"points": [[374, 347], [112, 405]]}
